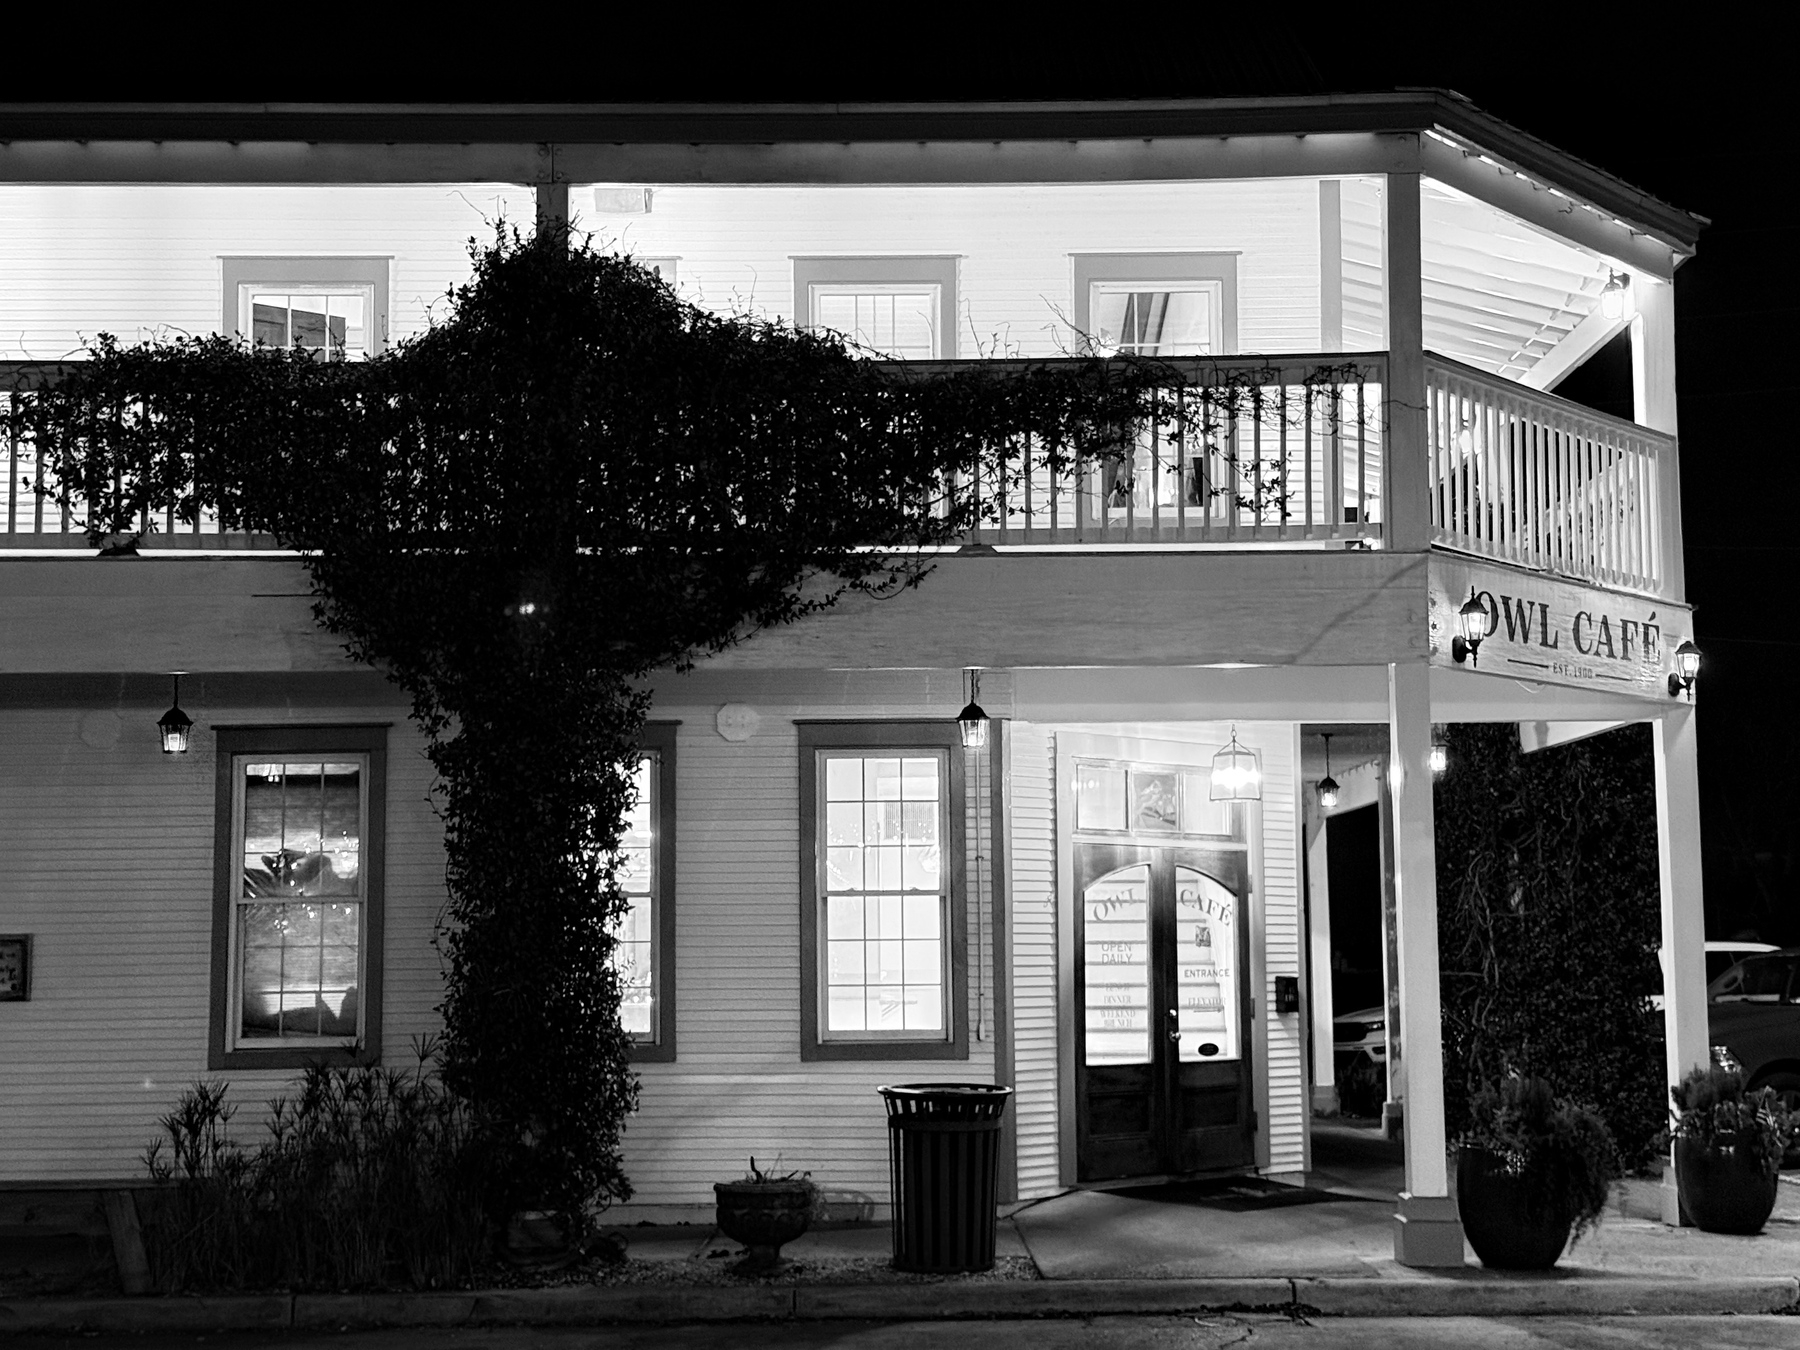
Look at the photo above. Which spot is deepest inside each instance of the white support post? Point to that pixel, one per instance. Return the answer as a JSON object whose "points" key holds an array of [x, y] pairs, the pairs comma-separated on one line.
{"points": [[1408, 506], [1653, 406], [552, 204], [1318, 965], [1683, 909], [1427, 1231]]}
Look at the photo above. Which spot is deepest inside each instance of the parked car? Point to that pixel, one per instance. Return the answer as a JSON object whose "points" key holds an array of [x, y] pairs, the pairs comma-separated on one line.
{"points": [[1722, 956], [1753, 1015], [1359, 1055]]}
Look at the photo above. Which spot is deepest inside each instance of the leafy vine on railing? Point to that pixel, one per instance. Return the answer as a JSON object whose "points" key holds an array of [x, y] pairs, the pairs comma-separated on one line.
{"points": [[574, 481]]}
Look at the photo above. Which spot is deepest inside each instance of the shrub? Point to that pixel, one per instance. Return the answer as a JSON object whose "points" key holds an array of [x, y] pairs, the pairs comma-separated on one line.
{"points": [[1713, 1108], [1560, 1151], [1549, 923], [369, 1178]]}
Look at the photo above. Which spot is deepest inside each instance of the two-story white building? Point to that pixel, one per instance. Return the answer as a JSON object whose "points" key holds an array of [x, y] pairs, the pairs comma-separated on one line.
{"points": [[1104, 906]]}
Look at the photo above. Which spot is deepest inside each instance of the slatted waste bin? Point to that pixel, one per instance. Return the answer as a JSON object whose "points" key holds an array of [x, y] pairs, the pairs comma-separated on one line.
{"points": [[944, 1163]]}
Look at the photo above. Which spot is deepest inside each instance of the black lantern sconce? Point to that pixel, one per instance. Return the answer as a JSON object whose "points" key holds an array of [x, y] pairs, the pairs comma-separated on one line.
{"points": [[973, 719], [1473, 624], [1328, 786], [1612, 296], [175, 724], [1687, 666], [1438, 758]]}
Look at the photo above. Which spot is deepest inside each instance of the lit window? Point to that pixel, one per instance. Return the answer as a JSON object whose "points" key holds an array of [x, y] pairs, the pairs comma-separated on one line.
{"points": [[299, 893], [645, 955], [883, 954], [1177, 321], [335, 308], [901, 308]]}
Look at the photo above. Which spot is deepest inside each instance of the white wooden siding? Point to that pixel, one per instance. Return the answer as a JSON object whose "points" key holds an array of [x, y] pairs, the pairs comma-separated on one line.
{"points": [[109, 864], [738, 1086], [1033, 919], [143, 261]]}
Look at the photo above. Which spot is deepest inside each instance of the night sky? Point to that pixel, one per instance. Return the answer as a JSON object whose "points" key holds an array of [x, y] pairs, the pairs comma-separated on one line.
{"points": [[1702, 116]]}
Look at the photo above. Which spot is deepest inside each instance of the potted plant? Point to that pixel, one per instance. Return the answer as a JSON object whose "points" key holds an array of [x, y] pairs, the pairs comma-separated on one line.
{"points": [[1531, 1171], [1728, 1146], [763, 1211]]}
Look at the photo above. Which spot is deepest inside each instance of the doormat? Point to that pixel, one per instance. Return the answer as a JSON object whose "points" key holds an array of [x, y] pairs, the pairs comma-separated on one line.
{"points": [[1235, 1195]]}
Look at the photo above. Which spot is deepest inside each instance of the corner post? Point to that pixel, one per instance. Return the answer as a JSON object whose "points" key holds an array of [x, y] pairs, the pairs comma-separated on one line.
{"points": [[1653, 406], [1408, 506], [1683, 909], [1427, 1231]]}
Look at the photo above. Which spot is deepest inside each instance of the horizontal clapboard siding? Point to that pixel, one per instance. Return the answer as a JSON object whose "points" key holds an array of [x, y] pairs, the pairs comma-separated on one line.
{"points": [[139, 260], [109, 856], [1284, 1043], [142, 261], [738, 1087], [1034, 960]]}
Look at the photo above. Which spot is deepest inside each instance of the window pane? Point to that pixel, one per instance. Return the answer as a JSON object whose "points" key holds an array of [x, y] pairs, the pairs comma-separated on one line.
{"points": [[1116, 967], [634, 951], [884, 903], [1206, 960], [1099, 798], [298, 969], [1152, 322]]}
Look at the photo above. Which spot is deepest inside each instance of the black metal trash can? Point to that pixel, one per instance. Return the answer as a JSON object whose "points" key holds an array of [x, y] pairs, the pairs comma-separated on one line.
{"points": [[944, 1163]]}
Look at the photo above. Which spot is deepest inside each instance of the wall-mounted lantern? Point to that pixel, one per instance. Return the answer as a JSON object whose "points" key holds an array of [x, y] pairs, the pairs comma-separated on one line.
{"points": [[1687, 666], [1472, 622], [1236, 774], [175, 724], [1612, 296], [1328, 786], [973, 719], [1438, 757]]}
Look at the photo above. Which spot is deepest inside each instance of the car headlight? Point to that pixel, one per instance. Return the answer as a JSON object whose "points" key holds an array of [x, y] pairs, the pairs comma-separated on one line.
{"points": [[1722, 1058]]}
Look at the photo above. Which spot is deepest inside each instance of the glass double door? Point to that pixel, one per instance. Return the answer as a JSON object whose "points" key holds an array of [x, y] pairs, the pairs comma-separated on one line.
{"points": [[1162, 1052]]}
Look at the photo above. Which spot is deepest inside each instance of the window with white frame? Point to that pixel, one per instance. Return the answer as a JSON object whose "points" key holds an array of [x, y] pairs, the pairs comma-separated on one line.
{"points": [[1157, 304], [331, 307], [901, 308], [645, 954], [883, 923], [297, 895]]}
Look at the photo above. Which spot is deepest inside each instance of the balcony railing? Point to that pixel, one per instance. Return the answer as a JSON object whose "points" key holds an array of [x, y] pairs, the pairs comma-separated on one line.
{"points": [[1531, 479], [1243, 451]]}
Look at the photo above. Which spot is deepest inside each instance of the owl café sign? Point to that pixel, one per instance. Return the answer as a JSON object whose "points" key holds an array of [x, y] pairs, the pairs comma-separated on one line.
{"points": [[1540, 628]]}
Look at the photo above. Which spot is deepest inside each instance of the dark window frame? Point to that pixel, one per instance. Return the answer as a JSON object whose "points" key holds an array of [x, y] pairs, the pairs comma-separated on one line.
{"points": [[883, 737], [659, 737], [368, 739]]}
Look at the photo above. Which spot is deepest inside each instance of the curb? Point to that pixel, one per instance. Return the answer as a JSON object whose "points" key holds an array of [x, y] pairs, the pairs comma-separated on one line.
{"points": [[1368, 1296]]}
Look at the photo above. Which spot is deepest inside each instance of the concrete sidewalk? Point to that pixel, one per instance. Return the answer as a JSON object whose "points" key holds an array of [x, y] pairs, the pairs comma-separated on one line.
{"points": [[1186, 1247]]}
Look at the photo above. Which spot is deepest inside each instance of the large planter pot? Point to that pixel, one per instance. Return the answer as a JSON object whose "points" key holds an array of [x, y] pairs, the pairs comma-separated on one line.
{"points": [[763, 1215], [1724, 1191], [1496, 1221]]}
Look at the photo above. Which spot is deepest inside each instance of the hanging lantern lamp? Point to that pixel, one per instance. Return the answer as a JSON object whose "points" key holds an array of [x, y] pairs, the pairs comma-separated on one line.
{"points": [[175, 724], [973, 719], [1438, 758], [1236, 774], [1328, 786]]}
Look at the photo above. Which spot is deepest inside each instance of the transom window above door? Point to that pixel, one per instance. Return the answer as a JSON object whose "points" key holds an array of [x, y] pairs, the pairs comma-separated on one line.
{"points": [[900, 308]]}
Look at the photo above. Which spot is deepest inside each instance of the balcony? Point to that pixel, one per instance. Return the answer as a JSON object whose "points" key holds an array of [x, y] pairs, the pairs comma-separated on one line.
{"points": [[1245, 453]]}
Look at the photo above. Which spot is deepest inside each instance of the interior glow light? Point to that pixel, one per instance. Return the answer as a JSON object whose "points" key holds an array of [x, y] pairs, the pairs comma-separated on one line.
{"points": [[1439, 757]]}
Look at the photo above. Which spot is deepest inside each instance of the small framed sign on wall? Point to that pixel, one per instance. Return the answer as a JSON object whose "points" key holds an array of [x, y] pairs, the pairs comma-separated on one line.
{"points": [[15, 967]]}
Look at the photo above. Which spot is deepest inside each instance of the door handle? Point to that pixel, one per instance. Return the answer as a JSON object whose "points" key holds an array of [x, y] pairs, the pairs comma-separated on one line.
{"points": [[1174, 1024]]}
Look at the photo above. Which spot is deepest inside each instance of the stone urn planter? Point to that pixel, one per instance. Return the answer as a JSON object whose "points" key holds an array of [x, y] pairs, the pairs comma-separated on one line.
{"points": [[763, 1213], [1498, 1221], [1724, 1188]]}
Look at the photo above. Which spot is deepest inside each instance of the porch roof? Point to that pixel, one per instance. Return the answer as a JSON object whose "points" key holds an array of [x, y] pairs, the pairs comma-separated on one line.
{"points": [[470, 126]]}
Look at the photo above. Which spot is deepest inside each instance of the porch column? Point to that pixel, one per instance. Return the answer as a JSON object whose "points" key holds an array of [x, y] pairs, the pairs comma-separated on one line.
{"points": [[1318, 963], [1683, 912], [1653, 406], [1427, 1231], [1407, 526]]}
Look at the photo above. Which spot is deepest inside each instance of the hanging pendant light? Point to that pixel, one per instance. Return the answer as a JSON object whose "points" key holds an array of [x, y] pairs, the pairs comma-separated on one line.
{"points": [[1236, 774], [973, 719], [1328, 786], [1438, 758], [175, 724]]}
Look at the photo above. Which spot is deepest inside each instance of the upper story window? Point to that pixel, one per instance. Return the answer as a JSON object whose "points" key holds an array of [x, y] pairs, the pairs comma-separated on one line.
{"points": [[298, 895], [645, 955], [333, 307], [903, 308], [1157, 304]]}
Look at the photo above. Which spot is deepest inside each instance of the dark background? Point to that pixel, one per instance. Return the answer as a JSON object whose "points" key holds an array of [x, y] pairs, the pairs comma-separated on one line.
{"points": [[1702, 116]]}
